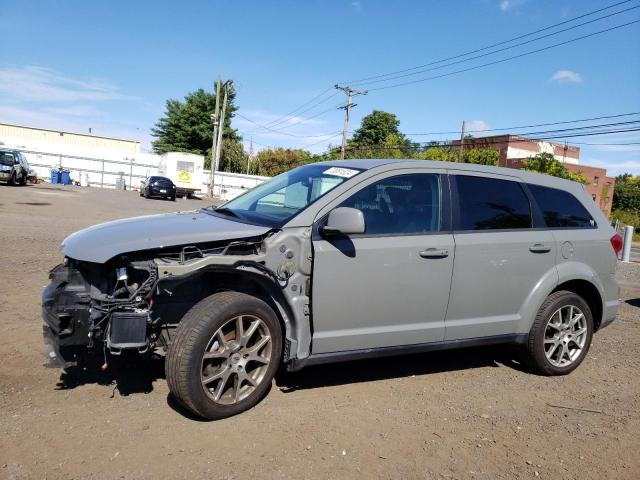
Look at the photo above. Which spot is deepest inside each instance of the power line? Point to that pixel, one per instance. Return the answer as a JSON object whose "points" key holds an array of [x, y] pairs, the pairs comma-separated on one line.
{"points": [[488, 46], [281, 132], [529, 126], [288, 117], [418, 72], [531, 52], [487, 141]]}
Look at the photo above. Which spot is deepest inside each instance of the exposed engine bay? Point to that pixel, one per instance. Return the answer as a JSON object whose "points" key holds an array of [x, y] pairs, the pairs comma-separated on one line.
{"points": [[134, 301]]}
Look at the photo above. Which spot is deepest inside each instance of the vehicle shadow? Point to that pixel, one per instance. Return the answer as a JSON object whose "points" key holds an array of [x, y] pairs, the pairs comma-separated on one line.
{"points": [[401, 366], [128, 373], [634, 302]]}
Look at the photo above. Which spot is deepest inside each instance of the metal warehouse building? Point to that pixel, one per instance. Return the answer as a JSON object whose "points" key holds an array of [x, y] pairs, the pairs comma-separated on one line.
{"points": [[34, 138]]}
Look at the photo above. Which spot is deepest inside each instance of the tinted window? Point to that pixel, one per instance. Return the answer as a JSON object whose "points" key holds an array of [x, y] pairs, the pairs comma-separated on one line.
{"points": [[402, 204], [491, 204], [6, 159], [560, 208]]}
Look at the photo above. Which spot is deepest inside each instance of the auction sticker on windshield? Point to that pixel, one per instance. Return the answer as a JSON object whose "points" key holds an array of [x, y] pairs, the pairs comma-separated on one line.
{"points": [[341, 172]]}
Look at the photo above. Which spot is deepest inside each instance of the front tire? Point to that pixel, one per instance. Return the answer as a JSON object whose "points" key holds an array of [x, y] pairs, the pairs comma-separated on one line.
{"points": [[224, 355], [561, 334]]}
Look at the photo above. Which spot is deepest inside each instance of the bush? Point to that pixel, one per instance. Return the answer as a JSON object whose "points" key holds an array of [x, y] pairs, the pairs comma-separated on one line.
{"points": [[628, 218]]}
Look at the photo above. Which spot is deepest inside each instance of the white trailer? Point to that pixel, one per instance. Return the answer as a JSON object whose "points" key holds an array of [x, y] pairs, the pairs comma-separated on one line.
{"points": [[185, 170]]}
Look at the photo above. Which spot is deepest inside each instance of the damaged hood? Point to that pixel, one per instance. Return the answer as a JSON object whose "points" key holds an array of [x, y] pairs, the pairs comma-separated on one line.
{"points": [[106, 240]]}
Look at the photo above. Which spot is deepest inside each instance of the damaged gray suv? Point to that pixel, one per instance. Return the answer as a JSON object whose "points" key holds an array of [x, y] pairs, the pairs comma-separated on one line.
{"points": [[339, 261]]}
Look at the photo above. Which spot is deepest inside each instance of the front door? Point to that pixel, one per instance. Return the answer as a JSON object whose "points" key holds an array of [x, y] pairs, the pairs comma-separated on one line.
{"points": [[388, 286]]}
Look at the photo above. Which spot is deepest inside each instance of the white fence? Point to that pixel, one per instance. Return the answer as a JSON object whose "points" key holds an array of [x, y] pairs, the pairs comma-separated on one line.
{"points": [[229, 185], [103, 172]]}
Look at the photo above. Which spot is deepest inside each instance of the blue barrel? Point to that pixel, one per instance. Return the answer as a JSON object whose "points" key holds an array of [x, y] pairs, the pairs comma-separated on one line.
{"points": [[65, 177], [55, 176]]}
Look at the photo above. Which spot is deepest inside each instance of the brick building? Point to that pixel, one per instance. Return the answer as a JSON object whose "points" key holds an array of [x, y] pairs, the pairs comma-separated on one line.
{"points": [[514, 149]]}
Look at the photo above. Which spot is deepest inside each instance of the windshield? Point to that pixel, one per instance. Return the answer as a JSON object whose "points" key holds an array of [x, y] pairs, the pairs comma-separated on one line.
{"points": [[6, 159], [274, 202]]}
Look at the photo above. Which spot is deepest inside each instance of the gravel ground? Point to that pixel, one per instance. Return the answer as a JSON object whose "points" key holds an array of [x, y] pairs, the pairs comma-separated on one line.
{"points": [[472, 413]]}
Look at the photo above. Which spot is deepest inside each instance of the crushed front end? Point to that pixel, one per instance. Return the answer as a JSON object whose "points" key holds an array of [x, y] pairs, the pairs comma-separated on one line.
{"points": [[88, 306]]}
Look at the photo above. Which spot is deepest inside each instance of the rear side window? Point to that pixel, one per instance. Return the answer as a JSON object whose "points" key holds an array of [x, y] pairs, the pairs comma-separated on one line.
{"points": [[561, 209], [491, 204]]}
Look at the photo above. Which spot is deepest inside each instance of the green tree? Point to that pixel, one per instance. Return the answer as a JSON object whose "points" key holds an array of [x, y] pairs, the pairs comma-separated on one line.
{"points": [[186, 126], [273, 162], [376, 128], [437, 152], [233, 158], [626, 195], [546, 163], [378, 136], [482, 156]]}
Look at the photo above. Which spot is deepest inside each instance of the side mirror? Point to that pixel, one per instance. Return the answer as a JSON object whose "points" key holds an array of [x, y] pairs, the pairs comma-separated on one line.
{"points": [[345, 221]]}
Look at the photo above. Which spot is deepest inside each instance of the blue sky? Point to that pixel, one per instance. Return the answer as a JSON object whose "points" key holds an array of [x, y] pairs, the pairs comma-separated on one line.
{"points": [[111, 65]]}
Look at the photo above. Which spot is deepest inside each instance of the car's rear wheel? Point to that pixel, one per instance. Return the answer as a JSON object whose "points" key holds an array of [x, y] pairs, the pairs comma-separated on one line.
{"points": [[224, 355], [561, 334]]}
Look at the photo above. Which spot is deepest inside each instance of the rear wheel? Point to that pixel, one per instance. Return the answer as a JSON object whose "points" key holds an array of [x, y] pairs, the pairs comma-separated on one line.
{"points": [[561, 334], [224, 355]]}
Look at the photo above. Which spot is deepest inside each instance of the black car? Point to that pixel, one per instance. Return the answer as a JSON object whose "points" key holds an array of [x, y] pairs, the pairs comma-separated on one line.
{"points": [[158, 187]]}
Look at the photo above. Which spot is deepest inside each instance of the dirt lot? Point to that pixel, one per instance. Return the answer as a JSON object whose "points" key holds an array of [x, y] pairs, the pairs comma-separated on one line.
{"points": [[461, 414]]}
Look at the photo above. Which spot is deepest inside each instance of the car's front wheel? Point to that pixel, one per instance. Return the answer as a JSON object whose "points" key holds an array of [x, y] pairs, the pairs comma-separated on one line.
{"points": [[561, 334], [224, 355]]}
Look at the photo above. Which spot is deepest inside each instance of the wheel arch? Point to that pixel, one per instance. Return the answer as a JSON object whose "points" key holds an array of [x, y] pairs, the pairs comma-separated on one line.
{"points": [[589, 293], [217, 279], [575, 277]]}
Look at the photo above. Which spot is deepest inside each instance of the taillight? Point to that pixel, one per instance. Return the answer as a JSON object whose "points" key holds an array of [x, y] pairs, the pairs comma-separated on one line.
{"points": [[616, 243]]}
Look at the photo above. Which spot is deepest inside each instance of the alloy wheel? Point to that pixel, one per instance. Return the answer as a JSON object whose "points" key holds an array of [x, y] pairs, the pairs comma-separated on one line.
{"points": [[236, 359], [565, 336]]}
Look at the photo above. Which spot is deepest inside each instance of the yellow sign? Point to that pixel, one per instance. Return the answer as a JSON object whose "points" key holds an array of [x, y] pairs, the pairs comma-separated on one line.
{"points": [[184, 177]]}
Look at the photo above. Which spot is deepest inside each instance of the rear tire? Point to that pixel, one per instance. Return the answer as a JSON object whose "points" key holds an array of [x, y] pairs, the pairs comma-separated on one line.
{"points": [[561, 334], [240, 361]]}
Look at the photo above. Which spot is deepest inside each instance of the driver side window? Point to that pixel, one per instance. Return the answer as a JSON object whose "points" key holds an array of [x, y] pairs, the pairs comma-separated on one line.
{"points": [[404, 204]]}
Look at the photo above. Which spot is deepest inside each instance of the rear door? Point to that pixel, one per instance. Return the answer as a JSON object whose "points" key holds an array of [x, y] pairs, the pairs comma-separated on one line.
{"points": [[500, 256], [388, 286]]}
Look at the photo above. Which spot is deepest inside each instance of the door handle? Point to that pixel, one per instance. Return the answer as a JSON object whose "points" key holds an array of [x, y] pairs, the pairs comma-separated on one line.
{"points": [[539, 248], [434, 253]]}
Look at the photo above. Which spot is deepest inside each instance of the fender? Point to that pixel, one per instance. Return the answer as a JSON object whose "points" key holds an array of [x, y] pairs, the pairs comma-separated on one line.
{"points": [[559, 274]]}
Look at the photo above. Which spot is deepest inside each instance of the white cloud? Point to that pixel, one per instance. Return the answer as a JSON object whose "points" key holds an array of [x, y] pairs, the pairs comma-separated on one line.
{"points": [[34, 83], [357, 6], [506, 5], [566, 76], [475, 125]]}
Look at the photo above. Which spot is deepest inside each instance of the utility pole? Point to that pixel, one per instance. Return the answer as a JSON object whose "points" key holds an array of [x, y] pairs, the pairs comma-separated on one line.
{"points": [[461, 141], [228, 84], [214, 118], [347, 111], [250, 156]]}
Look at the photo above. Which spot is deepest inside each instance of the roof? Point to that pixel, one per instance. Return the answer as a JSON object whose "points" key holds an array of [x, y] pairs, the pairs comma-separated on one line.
{"points": [[530, 177], [69, 132]]}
